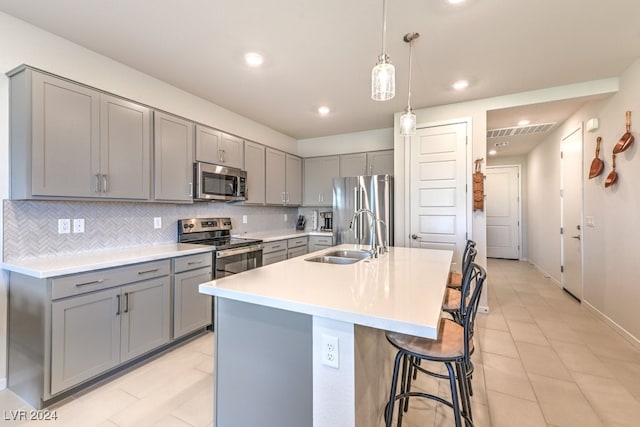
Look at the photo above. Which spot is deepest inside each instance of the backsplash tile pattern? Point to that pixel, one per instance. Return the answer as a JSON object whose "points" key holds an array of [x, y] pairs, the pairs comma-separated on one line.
{"points": [[31, 227]]}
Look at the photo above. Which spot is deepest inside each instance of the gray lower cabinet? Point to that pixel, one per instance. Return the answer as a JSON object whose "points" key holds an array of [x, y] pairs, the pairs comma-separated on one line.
{"points": [[56, 123], [93, 333], [297, 246], [317, 243], [273, 252], [191, 309], [173, 158]]}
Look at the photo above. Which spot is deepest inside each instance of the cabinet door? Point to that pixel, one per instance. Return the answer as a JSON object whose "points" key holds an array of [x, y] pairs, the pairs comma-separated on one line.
{"points": [[254, 164], [207, 145], [191, 309], [293, 180], [275, 177], [125, 149], [145, 317], [330, 170], [353, 164], [380, 162], [312, 181], [231, 151], [173, 158], [66, 140], [85, 337]]}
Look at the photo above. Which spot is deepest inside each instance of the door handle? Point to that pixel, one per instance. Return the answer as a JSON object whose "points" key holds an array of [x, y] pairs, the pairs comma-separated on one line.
{"points": [[576, 237], [414, 236]]}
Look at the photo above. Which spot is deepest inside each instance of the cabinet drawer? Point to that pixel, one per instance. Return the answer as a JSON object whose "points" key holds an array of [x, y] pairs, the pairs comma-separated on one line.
{"points": [[274, 257], [278, 245], [297, 242], [77, 284], [191, 262], [292, 253], [321, 240]]}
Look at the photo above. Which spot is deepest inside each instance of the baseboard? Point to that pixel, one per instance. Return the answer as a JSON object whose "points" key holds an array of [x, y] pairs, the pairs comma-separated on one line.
{"points": [[3, 383], [619, 329]]}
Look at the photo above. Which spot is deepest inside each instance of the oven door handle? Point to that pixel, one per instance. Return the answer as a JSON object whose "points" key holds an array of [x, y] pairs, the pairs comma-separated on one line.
{"points": [[238, 251]]}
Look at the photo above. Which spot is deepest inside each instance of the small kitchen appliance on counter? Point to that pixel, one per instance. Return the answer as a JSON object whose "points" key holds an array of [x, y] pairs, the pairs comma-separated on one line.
{"points": [[231, 254], [301, 222], [327, 221]]}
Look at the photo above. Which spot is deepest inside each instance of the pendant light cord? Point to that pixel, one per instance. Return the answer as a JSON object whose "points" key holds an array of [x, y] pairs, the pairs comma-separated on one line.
{"points": [[410, 63], [384, 26]]}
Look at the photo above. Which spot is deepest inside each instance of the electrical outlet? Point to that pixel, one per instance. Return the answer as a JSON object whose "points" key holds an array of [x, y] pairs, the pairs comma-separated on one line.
{"points": [[285, 217], [78, 225], [244, 219], [157, 222], [64, 226], [330, 351]]}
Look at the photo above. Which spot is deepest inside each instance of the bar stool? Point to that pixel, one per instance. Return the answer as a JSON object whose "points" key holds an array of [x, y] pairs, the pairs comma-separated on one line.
{"points": [[453, 302], [455, 277], [452, 347]]}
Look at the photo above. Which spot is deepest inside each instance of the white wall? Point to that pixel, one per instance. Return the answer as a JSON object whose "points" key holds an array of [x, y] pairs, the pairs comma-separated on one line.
{"points": [[522, 162], [22, 43]]}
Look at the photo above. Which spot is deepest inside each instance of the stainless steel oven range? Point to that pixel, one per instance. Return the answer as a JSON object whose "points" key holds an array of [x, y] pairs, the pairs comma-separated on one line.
{"points": [[232, 255]]}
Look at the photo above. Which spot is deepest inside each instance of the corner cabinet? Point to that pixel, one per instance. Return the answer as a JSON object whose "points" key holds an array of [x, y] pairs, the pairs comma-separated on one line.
{"points": [[173, 158], [318, 180], [56, 123], [283, 178], [214, 146]]}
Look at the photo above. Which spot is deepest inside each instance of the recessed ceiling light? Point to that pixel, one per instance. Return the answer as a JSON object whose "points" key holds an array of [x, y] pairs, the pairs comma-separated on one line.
{"points": [[253, 59], [324, 110], [524, 122], [492, 152], [460, 84], [455, 1]]}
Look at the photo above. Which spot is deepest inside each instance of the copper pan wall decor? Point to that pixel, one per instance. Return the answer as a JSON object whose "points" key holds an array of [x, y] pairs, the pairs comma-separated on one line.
{"points": [[612, 178], [478, 187], [625, 140], [597, 165]]}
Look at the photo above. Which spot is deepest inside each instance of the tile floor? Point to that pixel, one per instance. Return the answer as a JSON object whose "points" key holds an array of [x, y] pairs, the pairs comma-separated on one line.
{"points": [[541, 360]]}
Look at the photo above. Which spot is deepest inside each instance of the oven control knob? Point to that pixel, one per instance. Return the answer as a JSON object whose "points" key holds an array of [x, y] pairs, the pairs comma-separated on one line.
{"points": [[190, 225], [185, 226]]}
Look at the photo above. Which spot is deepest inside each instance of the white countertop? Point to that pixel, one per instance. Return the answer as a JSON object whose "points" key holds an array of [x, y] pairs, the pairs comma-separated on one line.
{"points": [[270, 236], [77, 263], [399, 291]]}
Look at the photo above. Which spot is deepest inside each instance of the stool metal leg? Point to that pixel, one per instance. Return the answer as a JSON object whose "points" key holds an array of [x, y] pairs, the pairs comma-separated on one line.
{"points": [[454, 394], [392, 393]]}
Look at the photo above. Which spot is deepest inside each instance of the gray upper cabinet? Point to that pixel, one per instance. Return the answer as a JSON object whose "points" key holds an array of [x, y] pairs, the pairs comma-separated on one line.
{"points": [[56, 124], [173, 158], [370, 163], [283, 178], [318, 180], [254, 164], [213, 146]]}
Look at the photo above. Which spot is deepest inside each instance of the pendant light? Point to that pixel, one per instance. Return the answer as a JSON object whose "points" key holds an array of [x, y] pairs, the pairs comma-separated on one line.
{"points": [[408, 118], [383, 75]]}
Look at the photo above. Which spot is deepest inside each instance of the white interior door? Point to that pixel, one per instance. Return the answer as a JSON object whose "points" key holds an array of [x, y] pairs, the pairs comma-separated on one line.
{"points": [[502, 189], [571, 206], [438, 167]]}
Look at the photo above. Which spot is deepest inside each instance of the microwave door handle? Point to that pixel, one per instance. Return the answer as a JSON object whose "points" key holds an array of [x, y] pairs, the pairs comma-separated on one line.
{"points": [[238, 251]]}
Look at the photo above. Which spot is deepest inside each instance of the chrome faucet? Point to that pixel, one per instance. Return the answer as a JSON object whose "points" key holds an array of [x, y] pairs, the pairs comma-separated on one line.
{"points": [[373, 235]]}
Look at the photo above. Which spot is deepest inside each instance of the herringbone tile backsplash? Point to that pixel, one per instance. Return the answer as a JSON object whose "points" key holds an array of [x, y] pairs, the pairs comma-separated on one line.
{"points": [[31, 227]]}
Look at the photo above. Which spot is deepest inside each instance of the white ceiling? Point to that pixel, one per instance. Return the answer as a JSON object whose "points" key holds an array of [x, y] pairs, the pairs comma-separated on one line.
{"points": [[322, 52]]}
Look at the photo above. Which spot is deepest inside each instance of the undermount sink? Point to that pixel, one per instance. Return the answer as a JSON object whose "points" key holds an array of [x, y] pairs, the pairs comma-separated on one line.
{"points": [[341, 257]]}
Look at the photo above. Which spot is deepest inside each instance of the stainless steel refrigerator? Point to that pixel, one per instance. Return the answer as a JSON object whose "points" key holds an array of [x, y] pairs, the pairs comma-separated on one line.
{"points": [[372, 192]]}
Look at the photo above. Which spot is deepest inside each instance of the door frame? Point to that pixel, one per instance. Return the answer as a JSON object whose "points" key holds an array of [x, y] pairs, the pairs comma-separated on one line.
{"points": [[520, 224], [579, 129]]}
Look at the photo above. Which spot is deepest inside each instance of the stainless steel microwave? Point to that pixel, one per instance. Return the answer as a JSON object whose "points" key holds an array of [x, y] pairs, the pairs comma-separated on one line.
{"points": [[216, 182]]}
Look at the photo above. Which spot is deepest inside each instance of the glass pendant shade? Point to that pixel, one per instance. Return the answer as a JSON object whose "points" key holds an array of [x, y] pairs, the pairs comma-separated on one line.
{"points": [[408, 122], [383, 80]]}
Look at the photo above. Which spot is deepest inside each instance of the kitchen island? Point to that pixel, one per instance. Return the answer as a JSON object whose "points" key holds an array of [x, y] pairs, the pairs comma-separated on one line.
{"points": [[302, 343]]}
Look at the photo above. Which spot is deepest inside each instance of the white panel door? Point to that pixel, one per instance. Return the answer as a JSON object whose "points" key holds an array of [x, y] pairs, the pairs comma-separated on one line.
{"points": [[502, 188], [571, 205], [438, 188]]}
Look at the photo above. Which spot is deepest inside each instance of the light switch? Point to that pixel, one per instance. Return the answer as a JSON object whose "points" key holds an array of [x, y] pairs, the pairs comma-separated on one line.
{"points": [[590, 221]]}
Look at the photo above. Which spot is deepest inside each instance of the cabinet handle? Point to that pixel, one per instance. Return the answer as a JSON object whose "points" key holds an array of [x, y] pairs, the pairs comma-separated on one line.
{"points": [[194, 262], [126, 302], [319, 197], [96, 184], [190, 189], [223, 159], [287, 193], [105, 183], [95, 282], [275, 247], [140, 273], [118, 311], [283, 197]]}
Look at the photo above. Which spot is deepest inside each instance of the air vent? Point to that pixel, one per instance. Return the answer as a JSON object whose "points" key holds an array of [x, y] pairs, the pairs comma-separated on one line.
{"points": [[519, 130]]}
